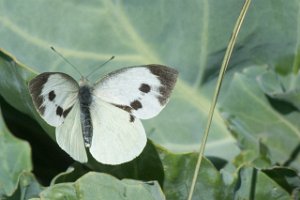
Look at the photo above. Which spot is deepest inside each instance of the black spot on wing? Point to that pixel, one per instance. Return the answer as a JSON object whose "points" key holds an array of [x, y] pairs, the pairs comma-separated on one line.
{"points": [[51, 95], [167, 77], [123, 107], [131, 118], [127, 109], [59, 111], [66, 112], [136, 105], [145, 88]]}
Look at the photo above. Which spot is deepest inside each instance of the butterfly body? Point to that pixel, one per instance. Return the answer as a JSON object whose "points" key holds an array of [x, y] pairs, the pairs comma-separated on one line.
{"points": [[85, 101], [103, 117]]}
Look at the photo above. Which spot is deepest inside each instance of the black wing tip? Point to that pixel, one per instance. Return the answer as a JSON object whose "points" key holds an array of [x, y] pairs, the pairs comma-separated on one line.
{"points": [[35, 89], [158, 69], [168, 77], [167, 73]]}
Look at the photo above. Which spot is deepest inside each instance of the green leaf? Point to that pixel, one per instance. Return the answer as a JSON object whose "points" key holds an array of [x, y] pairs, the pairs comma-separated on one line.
{"points": [[241, 183], [254, 184], [190, 37], [28, 187], [179, 170], [281, 87], [252, 118], [288, 179], [97, 185], [146, 167], [15, 160], [14, 78], [259, 156]]}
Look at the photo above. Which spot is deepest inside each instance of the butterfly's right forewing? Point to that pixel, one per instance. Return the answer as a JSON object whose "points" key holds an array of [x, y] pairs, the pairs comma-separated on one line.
{"points": [[53, 95]]}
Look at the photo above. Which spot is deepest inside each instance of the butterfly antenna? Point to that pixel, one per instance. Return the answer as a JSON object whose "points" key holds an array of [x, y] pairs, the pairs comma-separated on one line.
{"points": [[53, 49], [100, 66]]}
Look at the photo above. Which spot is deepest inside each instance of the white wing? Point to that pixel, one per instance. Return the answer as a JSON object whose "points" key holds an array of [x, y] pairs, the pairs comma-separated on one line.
{"points": [[53, 94], [69, 135], [118, 137], [142, 90]]}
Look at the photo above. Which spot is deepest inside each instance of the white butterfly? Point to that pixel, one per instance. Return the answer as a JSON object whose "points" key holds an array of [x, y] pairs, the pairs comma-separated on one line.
{"points": [[103, 117]]}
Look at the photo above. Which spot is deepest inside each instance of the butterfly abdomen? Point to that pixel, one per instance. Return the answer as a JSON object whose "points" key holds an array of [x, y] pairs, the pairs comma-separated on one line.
{"points": [[85, 99]]}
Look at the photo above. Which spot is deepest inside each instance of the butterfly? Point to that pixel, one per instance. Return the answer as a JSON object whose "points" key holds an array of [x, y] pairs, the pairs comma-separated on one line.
{"points": [[103, 117]]}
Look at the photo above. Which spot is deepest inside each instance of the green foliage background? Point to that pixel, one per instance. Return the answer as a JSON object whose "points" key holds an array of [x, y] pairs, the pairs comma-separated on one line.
{"points": [[253, 147]]}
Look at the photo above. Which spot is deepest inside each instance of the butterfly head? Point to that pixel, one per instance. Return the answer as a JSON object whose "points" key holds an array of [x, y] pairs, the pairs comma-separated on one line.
{"points": [[83, 81]]}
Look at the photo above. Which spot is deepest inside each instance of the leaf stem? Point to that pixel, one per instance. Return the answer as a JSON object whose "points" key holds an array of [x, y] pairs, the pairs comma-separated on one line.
{"points": [[217, 91], [296, 63]]}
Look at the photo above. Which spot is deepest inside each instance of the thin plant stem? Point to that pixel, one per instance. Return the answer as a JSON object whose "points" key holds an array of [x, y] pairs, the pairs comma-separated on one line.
{"points": [[216, 93], [296, 63]]}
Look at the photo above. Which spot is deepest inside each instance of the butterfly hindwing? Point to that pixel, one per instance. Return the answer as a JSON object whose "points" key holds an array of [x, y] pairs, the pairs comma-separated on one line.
{"points": [[53, 94], [118, 136], [142, 91], [69, 135]]}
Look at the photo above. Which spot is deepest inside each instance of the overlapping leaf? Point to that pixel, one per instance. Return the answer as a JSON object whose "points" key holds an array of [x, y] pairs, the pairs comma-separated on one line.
{"points": [[102, 186], [15, 160], [254, 120], [286, 88]]}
